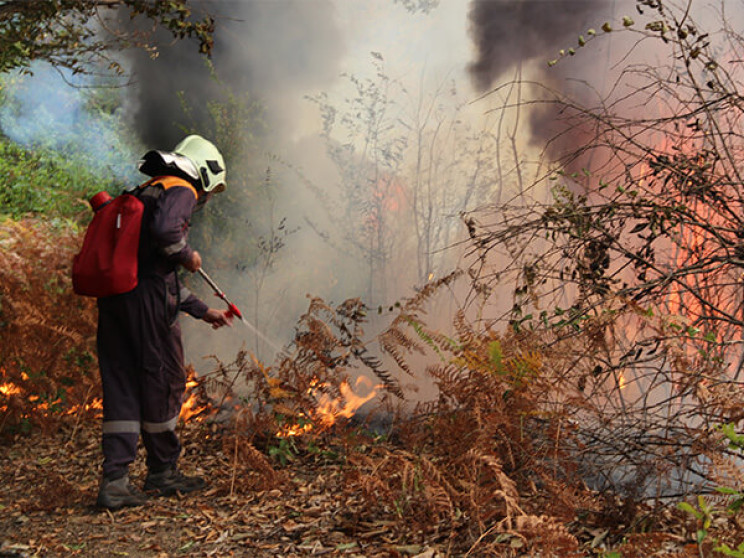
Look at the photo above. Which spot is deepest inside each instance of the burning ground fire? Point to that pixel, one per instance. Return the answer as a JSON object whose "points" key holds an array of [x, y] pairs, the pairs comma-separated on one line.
{"points": [[42, 404], [9, 389], [329, 409], [95, 405], [191, 407]]}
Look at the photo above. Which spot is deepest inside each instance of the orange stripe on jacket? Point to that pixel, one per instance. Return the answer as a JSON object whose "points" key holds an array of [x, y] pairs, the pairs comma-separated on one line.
{"points": [[170, 181]]}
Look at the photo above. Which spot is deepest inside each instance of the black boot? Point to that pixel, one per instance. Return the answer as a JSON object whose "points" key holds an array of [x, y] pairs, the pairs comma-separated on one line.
{"points": [[118, 493], [171, 481]]}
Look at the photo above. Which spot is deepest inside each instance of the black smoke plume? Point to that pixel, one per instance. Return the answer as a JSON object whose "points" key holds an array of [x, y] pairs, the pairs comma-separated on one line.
{"points": [[266, 49], [508, 32], [512, 34]]}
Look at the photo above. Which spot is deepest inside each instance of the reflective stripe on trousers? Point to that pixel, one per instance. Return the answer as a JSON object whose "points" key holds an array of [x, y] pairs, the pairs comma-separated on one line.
{"points": [[134, 426]]}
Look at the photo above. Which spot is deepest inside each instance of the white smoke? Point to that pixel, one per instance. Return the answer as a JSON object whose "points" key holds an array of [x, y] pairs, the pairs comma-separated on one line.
{"points": [[53, 109], [283, 51]]}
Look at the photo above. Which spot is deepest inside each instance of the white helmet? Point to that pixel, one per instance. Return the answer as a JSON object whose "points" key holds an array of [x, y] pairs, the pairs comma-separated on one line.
{"points": [[207, 159]]}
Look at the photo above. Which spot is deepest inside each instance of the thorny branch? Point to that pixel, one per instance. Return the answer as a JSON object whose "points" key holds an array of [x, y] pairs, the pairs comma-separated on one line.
{"points": [[633, 266]]}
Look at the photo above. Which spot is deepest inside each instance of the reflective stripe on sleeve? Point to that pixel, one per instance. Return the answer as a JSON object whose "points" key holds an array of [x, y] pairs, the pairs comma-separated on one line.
{"points": [[121, 427], [184, 293], [158, 427], [175, 248]]}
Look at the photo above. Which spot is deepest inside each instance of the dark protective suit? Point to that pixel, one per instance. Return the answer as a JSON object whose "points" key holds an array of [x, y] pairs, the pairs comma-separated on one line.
{"points": [[139, 339]]}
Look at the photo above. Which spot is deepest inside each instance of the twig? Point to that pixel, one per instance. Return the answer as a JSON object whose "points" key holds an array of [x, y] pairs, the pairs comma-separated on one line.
{"points": [[79, 416], [235, 463]]}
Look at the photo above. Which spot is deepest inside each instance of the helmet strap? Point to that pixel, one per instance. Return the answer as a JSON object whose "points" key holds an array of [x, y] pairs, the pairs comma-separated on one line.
{"points": [[204, 197], [205, 178]]}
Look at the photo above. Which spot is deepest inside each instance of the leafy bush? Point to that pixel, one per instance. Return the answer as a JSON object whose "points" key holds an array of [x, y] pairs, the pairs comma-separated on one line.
{"points": [[45, 182]]}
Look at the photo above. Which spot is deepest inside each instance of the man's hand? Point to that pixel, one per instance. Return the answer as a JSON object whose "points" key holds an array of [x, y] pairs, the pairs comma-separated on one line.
{"points": [[194, 264], [218, 318]]}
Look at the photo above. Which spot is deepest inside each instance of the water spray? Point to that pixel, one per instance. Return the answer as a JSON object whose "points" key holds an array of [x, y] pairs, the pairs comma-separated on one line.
{"points": [[233, 310]]}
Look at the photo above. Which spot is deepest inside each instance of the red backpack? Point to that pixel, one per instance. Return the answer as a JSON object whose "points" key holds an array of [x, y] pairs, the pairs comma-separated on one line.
{"points": [[107, 262]]}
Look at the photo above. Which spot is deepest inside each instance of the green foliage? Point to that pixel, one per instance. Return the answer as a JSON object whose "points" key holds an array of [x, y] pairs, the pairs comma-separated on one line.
{"points": [[737, 552], [45, 182], [703, 513], [736, 440], [285, 451], [67, 34], [77, 120], [496, 355], [424, 336]]}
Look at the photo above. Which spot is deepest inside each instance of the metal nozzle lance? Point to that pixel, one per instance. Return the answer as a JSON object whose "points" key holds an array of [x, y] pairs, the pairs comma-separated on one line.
{"points": [[231, 308]]}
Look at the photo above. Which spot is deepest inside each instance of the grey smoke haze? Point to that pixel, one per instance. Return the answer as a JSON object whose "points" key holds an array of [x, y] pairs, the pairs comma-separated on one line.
{"points": [[270, 49], [275, 52], [280, 50]]}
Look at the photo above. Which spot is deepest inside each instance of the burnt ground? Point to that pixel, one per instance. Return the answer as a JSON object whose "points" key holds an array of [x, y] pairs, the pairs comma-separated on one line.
{"points": [[50, 480]]}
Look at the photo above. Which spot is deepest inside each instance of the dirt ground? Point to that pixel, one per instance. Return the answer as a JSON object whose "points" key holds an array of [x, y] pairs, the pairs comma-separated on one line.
{"points": [[50, 481]]}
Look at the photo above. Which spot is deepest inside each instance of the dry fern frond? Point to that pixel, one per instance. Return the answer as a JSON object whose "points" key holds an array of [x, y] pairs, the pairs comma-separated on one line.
{"points": [[411, 486], [430, 289], [546, 532], [446, 493], [449, 379], [465, 333], [251, 457], [316, 306], [46, 331], [393, 342], [507, 488], [389, 383]]}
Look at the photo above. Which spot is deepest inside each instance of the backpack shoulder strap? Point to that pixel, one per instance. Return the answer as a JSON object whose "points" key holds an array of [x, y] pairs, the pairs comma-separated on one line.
{"points": [[168, 182]]}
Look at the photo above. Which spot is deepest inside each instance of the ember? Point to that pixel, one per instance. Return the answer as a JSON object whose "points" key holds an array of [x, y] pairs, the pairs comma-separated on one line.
{"points": [[9, 389]]}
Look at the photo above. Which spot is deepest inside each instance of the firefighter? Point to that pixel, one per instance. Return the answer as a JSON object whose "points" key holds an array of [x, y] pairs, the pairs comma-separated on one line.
{"points": [[139, 338]]}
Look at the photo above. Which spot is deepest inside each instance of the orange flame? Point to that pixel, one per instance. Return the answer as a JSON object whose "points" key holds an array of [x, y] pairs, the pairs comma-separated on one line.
{"points": [[9, 389], [330, 409], [190, 407], [95, 405], [303, 426]]}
